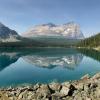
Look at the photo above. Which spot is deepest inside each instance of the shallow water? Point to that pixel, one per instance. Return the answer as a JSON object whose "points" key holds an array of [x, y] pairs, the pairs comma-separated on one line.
{"points": [[44, 65]]}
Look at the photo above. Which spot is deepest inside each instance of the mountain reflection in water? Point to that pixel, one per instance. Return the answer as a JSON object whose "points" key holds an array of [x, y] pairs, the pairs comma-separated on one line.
{"points": [[68, 61], [45, 58], [44, 65]]}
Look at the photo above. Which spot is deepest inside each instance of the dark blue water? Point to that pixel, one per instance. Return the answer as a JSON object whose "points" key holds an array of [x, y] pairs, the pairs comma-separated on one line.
{"points": [[46, 65]]}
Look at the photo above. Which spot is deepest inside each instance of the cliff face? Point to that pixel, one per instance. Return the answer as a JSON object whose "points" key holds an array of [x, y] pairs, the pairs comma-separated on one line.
{"points": [[70, 30]]}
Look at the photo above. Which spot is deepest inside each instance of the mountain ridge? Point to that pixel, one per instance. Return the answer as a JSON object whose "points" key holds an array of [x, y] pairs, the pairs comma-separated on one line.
{"points": [[54, 37], [70, 30], [7, 34]]}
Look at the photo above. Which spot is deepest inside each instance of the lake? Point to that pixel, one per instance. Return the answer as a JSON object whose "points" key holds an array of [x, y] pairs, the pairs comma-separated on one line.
{"points": [[44, 65]]}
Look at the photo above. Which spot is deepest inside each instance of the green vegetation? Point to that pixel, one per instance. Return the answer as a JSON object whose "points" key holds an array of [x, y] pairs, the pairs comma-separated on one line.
{"points": [[93, 41], [41, 42], [90, 53], [23, 42]]}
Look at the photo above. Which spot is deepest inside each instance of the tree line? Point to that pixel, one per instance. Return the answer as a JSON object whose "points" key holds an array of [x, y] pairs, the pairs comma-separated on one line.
{"points": [[93, 41]]}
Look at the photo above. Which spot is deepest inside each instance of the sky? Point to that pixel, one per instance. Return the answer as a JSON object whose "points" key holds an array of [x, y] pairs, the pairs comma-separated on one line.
{"points": [[23, 14]]}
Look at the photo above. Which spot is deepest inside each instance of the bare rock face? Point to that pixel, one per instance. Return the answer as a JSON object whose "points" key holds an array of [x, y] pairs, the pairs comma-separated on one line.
{"points": [[70, 30], [7, 35]]}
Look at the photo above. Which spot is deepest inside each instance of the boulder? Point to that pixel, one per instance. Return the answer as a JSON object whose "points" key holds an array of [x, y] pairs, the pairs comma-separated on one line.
{"points": [[65, 90], [55, 86], [85, 77], [96, 76], [43, 91]]}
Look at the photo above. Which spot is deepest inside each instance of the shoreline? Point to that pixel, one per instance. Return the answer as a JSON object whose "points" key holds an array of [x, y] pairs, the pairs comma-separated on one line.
{"points": [[87, 88], [93, 48], [97, 49]]}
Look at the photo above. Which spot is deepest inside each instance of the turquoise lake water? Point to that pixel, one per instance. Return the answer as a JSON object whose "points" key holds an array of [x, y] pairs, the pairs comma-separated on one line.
{"points": [[44, 65]]}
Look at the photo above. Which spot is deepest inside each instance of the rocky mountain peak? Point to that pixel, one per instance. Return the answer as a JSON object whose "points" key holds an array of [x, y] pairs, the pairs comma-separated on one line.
{"points": [[7, 34], [1, 25], [4, 30], [49, 24], [69, 30]]}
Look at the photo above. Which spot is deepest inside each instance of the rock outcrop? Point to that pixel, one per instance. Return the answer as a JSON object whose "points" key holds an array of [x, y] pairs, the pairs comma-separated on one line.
{"points": [[84, 89]]}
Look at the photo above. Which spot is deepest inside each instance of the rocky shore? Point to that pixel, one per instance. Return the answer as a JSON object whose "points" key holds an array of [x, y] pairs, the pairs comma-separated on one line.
{"points": [[98, 48], [87, 88]]}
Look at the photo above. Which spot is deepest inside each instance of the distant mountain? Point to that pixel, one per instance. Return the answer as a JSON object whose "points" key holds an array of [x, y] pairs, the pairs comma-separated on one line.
{"points": [[69, 31], [7, 35], [42, 36], [10, 38]]}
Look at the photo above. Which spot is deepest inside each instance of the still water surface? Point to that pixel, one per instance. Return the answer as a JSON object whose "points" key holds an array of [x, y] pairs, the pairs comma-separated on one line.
{"points": [[44, 65]]}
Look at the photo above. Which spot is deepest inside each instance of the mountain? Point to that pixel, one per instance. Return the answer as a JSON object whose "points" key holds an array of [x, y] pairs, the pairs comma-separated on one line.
{"points": [[42, 36], [70, 30], [10, 38], [7, 35]]}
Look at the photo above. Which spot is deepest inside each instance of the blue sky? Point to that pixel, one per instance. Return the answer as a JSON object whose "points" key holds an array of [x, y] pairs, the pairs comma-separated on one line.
{"points": [[22, 14]]}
